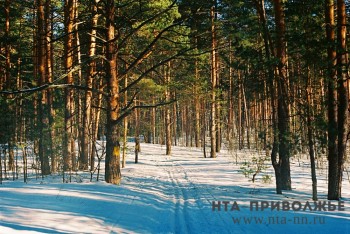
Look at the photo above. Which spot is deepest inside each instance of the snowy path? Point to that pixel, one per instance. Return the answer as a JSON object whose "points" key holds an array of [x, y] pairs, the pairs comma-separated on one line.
{"points": [[164, 194]]}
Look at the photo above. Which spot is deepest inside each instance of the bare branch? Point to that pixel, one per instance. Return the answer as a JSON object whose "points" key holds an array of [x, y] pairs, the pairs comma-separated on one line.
{"points": [[129, 111], [131, 101], [50, 86]]}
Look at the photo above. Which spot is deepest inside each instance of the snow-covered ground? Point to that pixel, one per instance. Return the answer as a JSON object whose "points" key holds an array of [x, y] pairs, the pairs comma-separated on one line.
{"points": [[171, 194]]}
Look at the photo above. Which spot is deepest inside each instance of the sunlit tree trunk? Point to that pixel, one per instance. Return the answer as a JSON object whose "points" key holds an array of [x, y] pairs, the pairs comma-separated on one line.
{"points": [[175, 123], [246, 116], [137, 149], [168, 139], [125, 124], [87, 125], [50, 95], [79, 161], [112, 166], [230, 103], [240, 122], [219, 96], [68, 141], [154, 127], [197, 133], [213, 116]]}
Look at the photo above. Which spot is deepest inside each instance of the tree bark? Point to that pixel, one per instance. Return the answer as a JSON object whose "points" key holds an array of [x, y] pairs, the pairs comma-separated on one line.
{"points": [[95, 116], [137, 133], [282, 100], [213, 123], [86, 133], [112, 165], [310, 136], [197, 132], [9, 85], [44, 138], [68, 141], [50, 95], [168, 139], [331, 103], [125, 125], [343, 94]]}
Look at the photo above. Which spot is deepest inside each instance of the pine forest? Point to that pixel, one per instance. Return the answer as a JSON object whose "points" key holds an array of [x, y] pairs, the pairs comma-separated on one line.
{"points": [[174, 116]]}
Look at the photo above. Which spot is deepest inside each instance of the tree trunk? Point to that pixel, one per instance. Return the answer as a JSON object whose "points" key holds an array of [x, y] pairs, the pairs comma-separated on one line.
{"points": [[125, 124], [282, 100], [331, 103], [343, 95], [112, 166], [240, 125], [1, 167], [154, 127], [168, 139], [175, 123], [204, 128], [137, 133], [246, 116], [49, 72], [44, 139], [68, 141], [310, 136], [7, 78], [197, 132], [230, 107], [219, 96], [86, 134], [213, 86], [95, 116], [276, 162], [9, 109]]}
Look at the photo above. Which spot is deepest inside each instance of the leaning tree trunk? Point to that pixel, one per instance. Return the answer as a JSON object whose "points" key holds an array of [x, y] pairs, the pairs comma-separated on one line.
{"points": [[112, 166], [269, 52]]}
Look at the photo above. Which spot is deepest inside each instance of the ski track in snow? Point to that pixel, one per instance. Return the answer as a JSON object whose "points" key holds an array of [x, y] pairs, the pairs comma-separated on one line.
{"points": [[162, 194]]}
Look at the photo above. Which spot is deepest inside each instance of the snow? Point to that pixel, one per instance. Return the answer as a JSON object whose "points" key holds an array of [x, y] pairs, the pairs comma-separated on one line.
{"points": [[169, 194]]}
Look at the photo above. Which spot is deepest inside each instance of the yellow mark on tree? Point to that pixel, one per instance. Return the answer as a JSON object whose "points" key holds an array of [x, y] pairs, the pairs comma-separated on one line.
{"points": [[116, 151]]}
